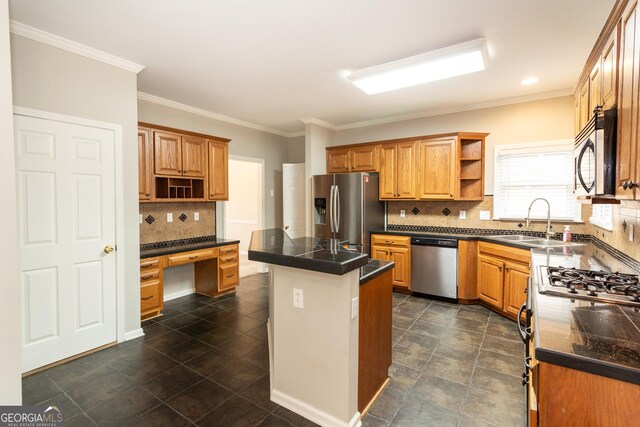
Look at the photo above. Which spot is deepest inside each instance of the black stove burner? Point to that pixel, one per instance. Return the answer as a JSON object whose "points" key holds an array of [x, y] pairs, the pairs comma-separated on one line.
{"points": [[591, 284]]}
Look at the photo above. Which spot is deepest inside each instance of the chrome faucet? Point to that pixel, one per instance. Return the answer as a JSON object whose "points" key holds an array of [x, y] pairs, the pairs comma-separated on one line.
{"points": [[549, 233]]}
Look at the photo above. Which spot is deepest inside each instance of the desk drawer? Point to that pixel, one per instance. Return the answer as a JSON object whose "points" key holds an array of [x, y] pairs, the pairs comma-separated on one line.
{"points": [[229, 276], [227, 259], [192, 256], [228, 250], [147, 276], [150, 296], [149, 264]]}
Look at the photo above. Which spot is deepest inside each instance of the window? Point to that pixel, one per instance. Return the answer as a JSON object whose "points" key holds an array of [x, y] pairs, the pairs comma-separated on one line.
{"points": [[602, 216], [526, 172]]}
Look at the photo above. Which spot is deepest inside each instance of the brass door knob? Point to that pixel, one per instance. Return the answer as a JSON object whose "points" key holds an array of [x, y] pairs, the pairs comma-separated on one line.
{"points": [[108, 249]]}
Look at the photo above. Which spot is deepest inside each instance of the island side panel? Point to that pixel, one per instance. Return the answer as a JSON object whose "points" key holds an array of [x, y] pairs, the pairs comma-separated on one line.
{"points": [[374, 352], [315, 349]]}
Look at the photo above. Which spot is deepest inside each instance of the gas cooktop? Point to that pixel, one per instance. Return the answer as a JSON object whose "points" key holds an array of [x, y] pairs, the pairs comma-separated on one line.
{"points": [[591, 285]]}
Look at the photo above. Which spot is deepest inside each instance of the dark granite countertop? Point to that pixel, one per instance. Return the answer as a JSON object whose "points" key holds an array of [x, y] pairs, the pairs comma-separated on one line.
{"points": [[373, 269], [174, 249], [599, 338], [274, 246]]}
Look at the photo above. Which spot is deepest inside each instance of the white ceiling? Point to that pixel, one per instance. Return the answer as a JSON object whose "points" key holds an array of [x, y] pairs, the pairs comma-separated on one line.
{"points": [[275, 62]]}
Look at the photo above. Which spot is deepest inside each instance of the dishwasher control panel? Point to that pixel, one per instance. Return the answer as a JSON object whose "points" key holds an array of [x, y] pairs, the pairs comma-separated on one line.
{"points": [[430, 241]]}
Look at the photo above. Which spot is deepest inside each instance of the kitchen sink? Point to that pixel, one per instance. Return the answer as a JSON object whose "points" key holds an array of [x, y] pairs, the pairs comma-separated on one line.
{"points": [[535, 242]]}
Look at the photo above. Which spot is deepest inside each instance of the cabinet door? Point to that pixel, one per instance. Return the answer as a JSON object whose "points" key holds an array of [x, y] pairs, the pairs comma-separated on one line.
{"points": [[167, 149], [584, 104], [387, 189], [405, 170], [515, 287], [628, 102], [145, 164], [490, 280], [595, 88], [436, 169], [194, 156], [380, 252], [610, 72], [338, 161], [218, 171], [576, 118], [365, 159], [402, 270]]}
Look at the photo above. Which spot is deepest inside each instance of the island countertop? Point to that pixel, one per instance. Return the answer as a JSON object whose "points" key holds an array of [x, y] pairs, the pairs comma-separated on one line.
{"points": [[274, 246]]}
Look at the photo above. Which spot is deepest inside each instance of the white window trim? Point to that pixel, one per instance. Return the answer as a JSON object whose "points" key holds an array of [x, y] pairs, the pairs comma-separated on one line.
{"points": [[543, 146]]}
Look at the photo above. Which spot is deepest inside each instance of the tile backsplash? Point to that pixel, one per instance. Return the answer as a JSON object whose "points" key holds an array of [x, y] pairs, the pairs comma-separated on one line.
{"points": [[446, 214], [155, 228]]}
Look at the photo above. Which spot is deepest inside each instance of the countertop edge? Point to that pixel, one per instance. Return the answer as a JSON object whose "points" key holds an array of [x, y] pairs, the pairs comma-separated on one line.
{"points": [[310, 264], [383, 269]]}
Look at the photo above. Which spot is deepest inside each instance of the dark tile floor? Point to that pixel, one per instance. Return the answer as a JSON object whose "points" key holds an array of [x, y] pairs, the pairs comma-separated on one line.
{"points": [[206, 363]]}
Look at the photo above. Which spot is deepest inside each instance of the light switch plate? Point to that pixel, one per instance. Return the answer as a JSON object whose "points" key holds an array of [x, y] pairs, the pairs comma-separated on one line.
{"points": [[631, 227], [354, 308], [196, 216], [402, 213], [271, 193], [485, 215], [139, 219], [463, 214], [298, 298], [169, 217]]}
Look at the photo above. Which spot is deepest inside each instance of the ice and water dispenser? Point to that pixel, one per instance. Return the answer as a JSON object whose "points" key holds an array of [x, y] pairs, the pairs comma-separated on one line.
{"points": [[320, 216]]}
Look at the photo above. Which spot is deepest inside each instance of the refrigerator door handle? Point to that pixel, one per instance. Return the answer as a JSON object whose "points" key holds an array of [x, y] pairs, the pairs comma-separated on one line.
{"points": [[331, 208], [337, 210]]}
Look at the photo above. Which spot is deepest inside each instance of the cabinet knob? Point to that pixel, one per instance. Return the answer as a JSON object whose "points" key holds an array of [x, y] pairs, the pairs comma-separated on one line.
{"points": [[506, 269], [148, 194], [499, 268]]}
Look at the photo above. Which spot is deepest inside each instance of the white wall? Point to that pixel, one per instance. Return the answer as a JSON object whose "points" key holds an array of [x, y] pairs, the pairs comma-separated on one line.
{"points": [[50, 79], [10, 356], [317, 138], [296, 150], [245, 142], [544, 120]]}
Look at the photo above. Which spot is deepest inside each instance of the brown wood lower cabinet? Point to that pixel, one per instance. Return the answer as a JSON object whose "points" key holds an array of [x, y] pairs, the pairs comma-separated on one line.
{"points": [[397, 249], [374, 344], [503, 272], [216, 272]]}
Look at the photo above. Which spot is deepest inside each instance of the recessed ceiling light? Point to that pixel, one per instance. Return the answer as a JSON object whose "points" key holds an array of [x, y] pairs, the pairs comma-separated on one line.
{"points": [[530, 81], [456, 60]]}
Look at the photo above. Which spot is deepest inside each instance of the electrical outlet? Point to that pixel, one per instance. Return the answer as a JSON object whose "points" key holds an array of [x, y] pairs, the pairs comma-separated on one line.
{"points": [[271, 193], [631, 227], [402, 213], [139, 219], [196, 216], [485, 215], [463, 214], [298, 298], [169, 217], [354, 308]]}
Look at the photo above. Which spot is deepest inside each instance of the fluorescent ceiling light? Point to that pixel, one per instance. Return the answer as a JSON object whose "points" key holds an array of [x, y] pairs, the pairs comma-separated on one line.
{"points": [[530, 81], [456, 60]]}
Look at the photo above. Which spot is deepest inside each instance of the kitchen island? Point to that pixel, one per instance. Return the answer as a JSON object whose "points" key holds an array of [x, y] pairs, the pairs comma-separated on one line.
{"points": [[329, 326]]}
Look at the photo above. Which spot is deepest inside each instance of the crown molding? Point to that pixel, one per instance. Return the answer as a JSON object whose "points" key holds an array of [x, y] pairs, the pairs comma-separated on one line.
{"points": [[297, 134], [458, 109], [36, 34], [205, 113], [313, 120]]}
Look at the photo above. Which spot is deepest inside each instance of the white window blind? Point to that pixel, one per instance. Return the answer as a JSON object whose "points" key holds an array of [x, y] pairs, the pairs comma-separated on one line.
{"points": [[602, 216], [524, 173]]}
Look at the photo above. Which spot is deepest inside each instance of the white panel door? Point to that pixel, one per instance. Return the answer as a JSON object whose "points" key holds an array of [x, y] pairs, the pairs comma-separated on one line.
{"points": [[66, 208], [293, 199]]}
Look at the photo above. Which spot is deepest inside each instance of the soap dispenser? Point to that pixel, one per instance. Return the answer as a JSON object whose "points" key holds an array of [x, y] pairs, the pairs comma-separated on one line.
{"points": [[566, 235]]}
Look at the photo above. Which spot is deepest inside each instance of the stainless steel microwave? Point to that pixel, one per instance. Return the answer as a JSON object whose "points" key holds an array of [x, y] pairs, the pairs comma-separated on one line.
{"points": [[595, 155]]}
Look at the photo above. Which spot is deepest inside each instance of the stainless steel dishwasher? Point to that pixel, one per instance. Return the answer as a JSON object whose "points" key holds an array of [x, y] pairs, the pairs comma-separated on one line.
{"points": [[434, 268]]}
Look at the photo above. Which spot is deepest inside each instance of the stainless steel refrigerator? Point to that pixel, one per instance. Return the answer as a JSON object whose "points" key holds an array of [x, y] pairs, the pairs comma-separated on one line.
{"points": [[346, 207]]}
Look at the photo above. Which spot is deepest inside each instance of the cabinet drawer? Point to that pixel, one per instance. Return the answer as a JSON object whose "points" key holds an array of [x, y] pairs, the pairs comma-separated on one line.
{"points": [[229, 250], [149, 275], [508, 252], [149, 263], [389, 240], [150, 296], [192, 256], [227, 259], [229, 276]]}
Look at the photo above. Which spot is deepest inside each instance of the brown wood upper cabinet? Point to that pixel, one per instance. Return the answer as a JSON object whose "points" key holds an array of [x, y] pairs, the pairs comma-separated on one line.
{"points": [[397, 171], [364, 158], [145, 164], [218, 170], [179, 155], [437, 169]]}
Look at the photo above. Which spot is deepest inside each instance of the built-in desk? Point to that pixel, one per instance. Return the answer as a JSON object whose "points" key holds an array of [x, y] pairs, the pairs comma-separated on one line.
{"points": [[216, 267]]}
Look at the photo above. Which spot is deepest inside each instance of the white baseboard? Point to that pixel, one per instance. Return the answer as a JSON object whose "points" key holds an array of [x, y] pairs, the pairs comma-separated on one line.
{"points": [[136, 333], [311, 413], [174, 295]]}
